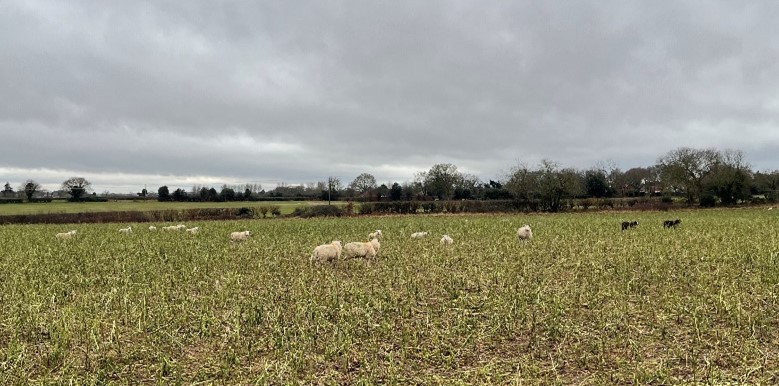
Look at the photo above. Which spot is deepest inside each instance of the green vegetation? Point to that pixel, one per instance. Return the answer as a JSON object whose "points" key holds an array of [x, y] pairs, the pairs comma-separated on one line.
{"points": [[143, 205], [582, 303]]}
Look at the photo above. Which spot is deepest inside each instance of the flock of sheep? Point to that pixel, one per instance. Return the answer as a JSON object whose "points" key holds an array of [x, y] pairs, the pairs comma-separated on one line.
{"points": [[666, 224], [234, 236], [368, 249]]}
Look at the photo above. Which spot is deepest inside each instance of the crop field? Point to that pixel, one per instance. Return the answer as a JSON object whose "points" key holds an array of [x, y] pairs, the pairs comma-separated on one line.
{"points": [[582, 303], [286, 207]]}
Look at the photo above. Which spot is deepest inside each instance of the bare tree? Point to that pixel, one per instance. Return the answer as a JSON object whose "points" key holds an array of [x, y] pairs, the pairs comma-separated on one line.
{"points": [[76, 187], [363, 183], [686, 168], [29, 188]]}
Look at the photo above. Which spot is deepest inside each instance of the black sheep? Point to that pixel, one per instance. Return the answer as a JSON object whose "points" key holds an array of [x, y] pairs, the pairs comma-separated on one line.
{"points": [[671, 223], [626, 225]]}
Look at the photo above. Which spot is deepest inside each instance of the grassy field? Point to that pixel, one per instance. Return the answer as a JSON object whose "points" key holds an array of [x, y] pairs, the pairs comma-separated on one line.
{"points": [[582, 303], [125, 205]]}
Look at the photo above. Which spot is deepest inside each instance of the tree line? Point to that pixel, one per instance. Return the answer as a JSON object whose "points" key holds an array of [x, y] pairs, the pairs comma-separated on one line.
{"points": [[706, 177]]}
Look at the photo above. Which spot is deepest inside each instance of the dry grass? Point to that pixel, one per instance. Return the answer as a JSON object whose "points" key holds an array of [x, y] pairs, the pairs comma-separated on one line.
{"points": [[583, 303]]}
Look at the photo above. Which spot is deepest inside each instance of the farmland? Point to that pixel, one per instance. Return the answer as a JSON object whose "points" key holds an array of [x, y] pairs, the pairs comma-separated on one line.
{"points": [[286, 207], [583, 302]]}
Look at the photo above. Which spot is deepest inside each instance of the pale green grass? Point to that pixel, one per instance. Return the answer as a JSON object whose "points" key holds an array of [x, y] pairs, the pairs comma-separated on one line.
{"points": [[582, 303], [124, 205]]}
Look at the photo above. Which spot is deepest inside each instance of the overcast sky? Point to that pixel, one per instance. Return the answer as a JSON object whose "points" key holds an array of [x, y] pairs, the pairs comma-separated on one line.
{"points": [[134, 93]]}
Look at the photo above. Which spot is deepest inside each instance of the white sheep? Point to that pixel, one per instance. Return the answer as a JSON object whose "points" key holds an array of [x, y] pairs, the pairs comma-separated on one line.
{"points": [[239, 236], [376, 245], [525, 233], [418, 235], [193, 230], [65, 235], [375, 235], [126, 230], [446, 240], [180, 227], [152, 228], [327, 252], [170, 228], [360, 249]]}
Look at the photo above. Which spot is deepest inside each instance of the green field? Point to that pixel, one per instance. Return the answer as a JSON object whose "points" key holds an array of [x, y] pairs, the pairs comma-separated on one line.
{"points": [[582, 303], [147, 205]]}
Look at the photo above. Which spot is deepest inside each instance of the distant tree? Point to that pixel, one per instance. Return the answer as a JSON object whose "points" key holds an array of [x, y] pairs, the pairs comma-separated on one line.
{"points": [[596, 184], [556, 184], [686, 168], [163, 194], [227, 194], [548, 184], [8, 190], [396, 192], [441, 180], [212, 195], [363, 183], [382, 192], [143, 193], [76, 187], [247, 194], [467, 187], [730, 178], [179, 195], [409, 190], [29, 188], [495, 190], [332, 189], [522, 182], [767, 184], [634, 182]]}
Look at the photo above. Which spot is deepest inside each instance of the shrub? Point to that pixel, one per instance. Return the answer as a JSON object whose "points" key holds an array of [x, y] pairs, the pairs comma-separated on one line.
{"points": [[317, 211], [708, 200], [245, 212]]}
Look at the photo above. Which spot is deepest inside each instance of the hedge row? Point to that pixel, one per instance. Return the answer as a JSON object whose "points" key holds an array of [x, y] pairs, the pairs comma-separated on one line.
{"points": [[169, 215]]}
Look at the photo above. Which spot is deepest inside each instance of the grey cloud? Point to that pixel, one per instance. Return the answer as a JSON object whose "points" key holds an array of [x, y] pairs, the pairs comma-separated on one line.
{"points": [[297, 91]]}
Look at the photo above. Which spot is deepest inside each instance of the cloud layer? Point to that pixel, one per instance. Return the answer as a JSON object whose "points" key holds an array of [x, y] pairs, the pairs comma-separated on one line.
{"points": [[138, 93]]}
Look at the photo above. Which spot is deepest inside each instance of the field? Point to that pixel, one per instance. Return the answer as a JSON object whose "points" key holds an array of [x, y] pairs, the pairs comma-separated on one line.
{"points": [[582, 303], [286, 207]]}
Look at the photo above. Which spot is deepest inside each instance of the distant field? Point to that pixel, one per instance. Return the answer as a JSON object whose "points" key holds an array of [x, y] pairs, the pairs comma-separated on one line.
{"points": [[124, 205], [582, 303]]}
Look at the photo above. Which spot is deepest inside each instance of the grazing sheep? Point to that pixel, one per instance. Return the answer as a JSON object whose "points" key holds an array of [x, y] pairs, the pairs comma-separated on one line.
{"points": [[327, 252], [671, 223], [375, 235], [631, 224], [418, 235], [771, 208], [152, 228], [193, 230], [446, 240], [525, 233], [65, 235], [175, 227], [126, 230], [239, 236], [376, 245], [359, 249]]}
